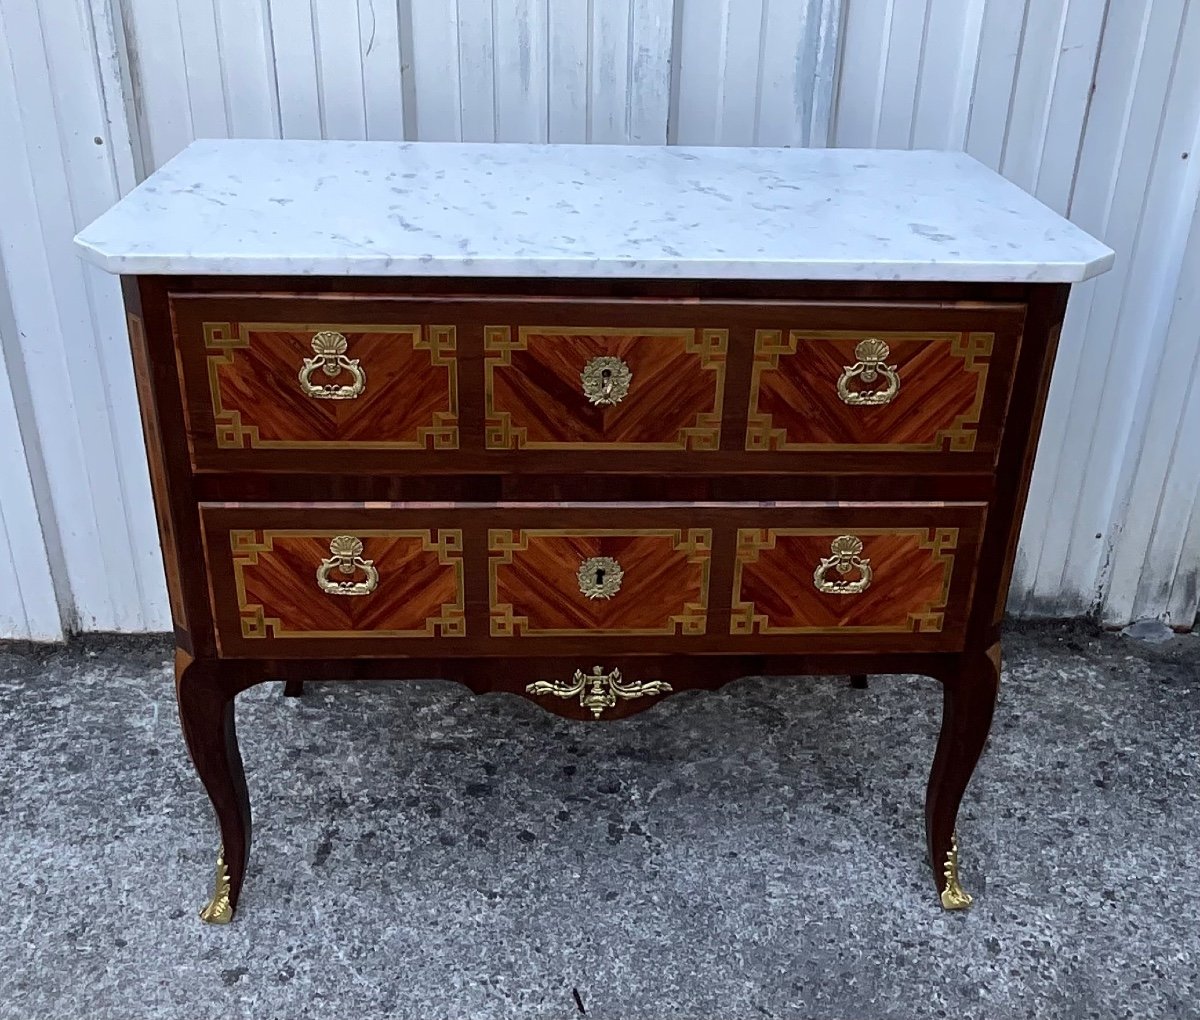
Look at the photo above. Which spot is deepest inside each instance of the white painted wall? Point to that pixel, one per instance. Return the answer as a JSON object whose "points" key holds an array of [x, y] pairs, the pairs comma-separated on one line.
{"points": [[1113, 525], [1093, 106]]}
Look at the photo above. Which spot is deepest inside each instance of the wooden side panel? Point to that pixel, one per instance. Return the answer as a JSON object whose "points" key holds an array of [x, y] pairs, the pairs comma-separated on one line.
{"points": [[535, 398], [156, 458], [535, 586], [405, 378], [791, 580], [940, 381]]}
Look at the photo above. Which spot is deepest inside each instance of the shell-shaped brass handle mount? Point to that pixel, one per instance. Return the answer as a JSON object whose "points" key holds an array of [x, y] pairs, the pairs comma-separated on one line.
{"points": [[329, 348], [870, 368], [600, 577], [845, 560], [345, 556], [605, 380]]}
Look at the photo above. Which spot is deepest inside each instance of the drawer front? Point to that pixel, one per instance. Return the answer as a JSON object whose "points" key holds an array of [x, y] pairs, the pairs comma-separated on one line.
{"points": [[368, 383], [631, 582], [599, 387], [337, 580], [898, 391]]}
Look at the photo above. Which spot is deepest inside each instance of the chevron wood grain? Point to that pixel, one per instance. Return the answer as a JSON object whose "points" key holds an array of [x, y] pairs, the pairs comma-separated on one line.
{"points": [[534, 589], [775, 592], [535, 399], [795, 403], [409, 400], [419, 591]]}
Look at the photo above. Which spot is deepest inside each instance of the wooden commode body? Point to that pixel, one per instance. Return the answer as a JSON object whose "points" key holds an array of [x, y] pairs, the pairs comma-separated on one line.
{"points": [[572, 424]]}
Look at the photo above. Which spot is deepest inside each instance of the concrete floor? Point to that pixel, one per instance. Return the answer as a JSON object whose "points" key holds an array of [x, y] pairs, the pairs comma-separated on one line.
{"points": [[751, 853]]}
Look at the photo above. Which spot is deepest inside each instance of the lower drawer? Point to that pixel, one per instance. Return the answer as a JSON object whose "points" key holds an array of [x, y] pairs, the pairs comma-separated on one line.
{"points": [[339, 580]]}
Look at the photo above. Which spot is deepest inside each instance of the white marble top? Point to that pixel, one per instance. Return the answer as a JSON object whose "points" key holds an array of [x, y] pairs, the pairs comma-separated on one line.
{"points": [[443, 209]]}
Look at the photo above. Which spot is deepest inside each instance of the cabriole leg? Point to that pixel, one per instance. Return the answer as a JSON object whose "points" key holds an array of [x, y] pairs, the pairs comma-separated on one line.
{"points": [[968, 700], [206, 713]]}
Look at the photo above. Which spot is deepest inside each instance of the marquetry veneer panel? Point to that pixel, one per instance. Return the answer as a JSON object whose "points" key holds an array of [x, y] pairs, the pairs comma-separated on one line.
{"points": [[943, 381], [534, 588], [418, 592], [534, 398], [911, 570], [408, 399]]}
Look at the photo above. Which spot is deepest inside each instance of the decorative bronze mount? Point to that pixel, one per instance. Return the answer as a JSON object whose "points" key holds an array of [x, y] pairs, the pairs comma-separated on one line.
{"points": [[954, 897], [219, 910], [872, 356], [600, 577], [845, 558], [598, 690], [605, 380], [345, 556], [330, 350]]}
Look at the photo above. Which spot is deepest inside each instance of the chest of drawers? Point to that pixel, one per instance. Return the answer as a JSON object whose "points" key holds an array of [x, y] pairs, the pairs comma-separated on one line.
{"points": [[588, 426]]}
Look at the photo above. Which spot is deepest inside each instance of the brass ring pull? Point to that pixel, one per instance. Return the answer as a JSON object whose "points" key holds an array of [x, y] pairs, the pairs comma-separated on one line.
{"points": [[345, 556], [869, 368], [605, 380], [845, 558], [600, 577], [330, 350]]}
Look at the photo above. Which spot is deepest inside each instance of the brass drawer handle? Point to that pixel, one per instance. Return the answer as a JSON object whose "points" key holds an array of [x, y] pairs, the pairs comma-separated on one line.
{"points": [[330, 350], [845, 558], [600, 577], [870, 366], [345, 556], [605, 380]]}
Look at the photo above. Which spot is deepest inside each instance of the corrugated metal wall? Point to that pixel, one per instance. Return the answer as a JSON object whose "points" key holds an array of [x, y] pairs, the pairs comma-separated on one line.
{"points": [[693, 72], [75, 497], [1091, 105]]}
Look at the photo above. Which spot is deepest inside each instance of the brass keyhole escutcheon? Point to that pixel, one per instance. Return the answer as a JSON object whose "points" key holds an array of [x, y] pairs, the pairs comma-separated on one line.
{"points": [[600, 577], [605, 380]]}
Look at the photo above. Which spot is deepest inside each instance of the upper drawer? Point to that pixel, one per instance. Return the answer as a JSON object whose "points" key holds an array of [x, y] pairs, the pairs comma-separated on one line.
{"points": [[351, 383]]}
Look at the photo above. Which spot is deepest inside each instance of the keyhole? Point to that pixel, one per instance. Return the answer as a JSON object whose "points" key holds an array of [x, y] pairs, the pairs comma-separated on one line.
{"points": [[599, 577], [606, 375]]}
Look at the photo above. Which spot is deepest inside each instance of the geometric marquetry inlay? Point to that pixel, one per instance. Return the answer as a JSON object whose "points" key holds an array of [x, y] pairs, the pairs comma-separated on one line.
{"points": [[534, 582], [774, 590], [418, 592], [795, 402], [407, 386], [534, 398]]}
